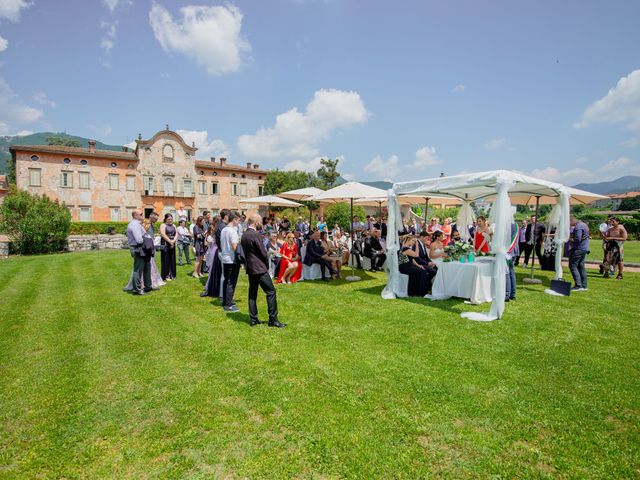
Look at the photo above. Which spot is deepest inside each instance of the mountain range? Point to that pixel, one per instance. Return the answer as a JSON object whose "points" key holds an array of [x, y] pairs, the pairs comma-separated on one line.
{"points": [[628, 183]]}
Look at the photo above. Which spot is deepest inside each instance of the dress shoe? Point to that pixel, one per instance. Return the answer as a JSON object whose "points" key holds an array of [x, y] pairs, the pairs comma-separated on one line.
{"points": [[140, 293], [204, 294], [253, 323], [147, 290], [277, 324], [231, 309]]}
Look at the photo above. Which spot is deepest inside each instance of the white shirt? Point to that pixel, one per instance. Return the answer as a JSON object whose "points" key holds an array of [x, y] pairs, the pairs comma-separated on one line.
{"points": [[228, 237], [182, 232], [193, 224]]}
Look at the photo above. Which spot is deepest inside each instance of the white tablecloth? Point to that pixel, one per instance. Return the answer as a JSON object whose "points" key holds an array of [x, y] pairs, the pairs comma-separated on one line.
{"points": [[464, 280]]}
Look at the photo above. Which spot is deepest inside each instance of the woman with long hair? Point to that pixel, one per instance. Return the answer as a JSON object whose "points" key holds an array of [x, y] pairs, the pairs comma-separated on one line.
{"points": [[419, 281], [482, 237], [290, 263], [168, 239], [199, 238]]}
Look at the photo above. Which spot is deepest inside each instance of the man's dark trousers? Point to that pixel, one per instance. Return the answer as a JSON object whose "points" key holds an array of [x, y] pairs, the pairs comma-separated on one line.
{"points": [[231, 271], [141, 271], [264, 281]]}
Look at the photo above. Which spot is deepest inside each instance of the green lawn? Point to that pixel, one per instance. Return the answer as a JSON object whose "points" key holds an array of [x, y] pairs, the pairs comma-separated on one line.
{"points": [[96, 383], [631, 251]]}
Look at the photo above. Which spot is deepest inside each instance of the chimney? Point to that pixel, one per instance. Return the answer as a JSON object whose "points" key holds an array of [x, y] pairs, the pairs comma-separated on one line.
{"points": [[256, 166], [125, 149], [248, 165], [213, 159], [223, 160], [92, 146]]}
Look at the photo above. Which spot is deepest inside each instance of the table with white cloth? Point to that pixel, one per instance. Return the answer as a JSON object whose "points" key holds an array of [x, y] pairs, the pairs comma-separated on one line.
{"points": [[464, 280]]}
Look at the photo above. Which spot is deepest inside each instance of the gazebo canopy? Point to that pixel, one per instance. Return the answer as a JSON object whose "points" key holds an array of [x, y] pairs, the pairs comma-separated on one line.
{"points": [[271, 201], [499, 184]]}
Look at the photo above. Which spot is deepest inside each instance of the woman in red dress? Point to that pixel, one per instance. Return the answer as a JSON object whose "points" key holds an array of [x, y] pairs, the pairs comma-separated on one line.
{"points": [[290, 264], [482, 237], [446, 231]]}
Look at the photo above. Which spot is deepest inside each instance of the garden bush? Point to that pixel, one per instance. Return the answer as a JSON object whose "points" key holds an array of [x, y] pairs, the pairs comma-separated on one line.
{"points": [[339, 213], [33, 223]]}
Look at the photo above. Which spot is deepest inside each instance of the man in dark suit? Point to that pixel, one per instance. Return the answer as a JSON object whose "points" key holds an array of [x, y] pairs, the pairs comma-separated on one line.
{"points": [[257, 266], [423, 255], [315, 253], [373, 250]]}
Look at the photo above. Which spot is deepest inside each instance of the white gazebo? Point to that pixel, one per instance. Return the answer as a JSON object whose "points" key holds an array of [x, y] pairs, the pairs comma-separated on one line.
{"points": [[501, 185]]}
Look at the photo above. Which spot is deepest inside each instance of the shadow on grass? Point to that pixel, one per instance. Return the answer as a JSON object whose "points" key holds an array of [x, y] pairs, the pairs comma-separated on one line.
{"points": [[239, 317]]}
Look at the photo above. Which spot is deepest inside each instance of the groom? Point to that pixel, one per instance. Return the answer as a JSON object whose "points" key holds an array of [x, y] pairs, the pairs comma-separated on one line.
{"points": [[141, 260]]}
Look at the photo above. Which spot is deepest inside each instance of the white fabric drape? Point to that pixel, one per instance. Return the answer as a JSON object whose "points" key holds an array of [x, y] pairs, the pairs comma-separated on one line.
{"points": [[465, 218], [500, 242], [394, 223], [562, 230]]}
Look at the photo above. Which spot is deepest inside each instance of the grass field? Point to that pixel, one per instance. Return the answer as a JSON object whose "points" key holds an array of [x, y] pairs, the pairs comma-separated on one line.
{"points": [[631, 251], [96, 383]]}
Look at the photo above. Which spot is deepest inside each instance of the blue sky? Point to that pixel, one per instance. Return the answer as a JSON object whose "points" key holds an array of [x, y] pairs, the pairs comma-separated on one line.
{"points": [[397, 90]]}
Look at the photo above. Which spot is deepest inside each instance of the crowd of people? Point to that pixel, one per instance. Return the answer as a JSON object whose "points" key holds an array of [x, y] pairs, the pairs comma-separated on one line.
{"points": [[275, 250]]}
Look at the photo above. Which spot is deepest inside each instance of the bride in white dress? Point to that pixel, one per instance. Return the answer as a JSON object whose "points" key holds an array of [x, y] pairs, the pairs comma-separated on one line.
{"points": [[437, 255]]}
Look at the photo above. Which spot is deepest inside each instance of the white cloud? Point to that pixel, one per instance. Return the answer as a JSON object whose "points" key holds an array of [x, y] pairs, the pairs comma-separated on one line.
{"points": [[6, 130], [4, 44], [495, 144], [567, 177], [209, 35], [459, 88], [12, 109], [42, 99], [24, 133], [631, 143], [426, 157], [206, 148], [582, 160], [619, 167], [296, 134], [111, 4], [349, 177], [609, 171], [621, 105], [312, 165], [108, 41], [383, 168], [10, 9]]}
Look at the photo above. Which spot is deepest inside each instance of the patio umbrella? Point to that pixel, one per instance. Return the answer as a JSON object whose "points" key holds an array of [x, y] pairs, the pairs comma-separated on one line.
{"points": [[348, 192], [302, 194], [270, 201], [410, 200]]}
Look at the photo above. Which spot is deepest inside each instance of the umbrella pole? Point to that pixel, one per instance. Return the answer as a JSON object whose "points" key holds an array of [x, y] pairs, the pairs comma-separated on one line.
{"points": [[426, 209], [533, 253], [352, 277]]}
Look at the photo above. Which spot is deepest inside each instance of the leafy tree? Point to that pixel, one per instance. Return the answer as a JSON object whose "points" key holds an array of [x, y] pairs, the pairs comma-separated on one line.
{"points": [[35, 224], [339, 213], [62, 141], [632, 203], [279, 181], [328, 173]]}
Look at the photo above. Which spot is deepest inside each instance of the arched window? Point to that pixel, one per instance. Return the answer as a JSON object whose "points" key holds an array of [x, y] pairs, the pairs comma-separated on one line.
{"points": [[35, 158], [168, 186], [167, 152], [114, 164], [215, 174], [83, 162], [67, 161]]}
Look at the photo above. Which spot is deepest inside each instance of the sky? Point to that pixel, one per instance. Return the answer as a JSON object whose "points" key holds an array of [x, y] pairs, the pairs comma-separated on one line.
{"points": [[397, 90]]}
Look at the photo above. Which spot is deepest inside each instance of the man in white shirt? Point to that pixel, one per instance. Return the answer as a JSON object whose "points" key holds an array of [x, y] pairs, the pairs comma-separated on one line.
{"points": [[229, 240], [184, 242]]}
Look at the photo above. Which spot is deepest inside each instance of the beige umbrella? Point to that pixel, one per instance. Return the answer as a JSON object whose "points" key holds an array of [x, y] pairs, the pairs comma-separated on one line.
{"points": [[302, 194], [270, 201], [577, 197]]}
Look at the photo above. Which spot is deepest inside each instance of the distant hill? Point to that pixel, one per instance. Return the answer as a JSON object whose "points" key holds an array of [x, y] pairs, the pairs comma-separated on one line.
{"points": [[40, 138], [629, 183]]}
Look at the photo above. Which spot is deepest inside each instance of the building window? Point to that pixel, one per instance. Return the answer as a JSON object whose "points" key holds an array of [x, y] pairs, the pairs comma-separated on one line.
{"points": [[131, 183], [114, 214], [167, 153], [168, 186], [85, 214], [260, 190], [202, 188], [114, 181], [214, 188], [233, 175], [201, 172], [35, 158], [66, 179], [170, 209], [114, 164], [67, 161], [243, 176], [70, 209], [148, 185], [243, 189], [84, 179], [34, 177], [83, 162], [215, 174], [234, 189], [130, 213], [187, 188]]}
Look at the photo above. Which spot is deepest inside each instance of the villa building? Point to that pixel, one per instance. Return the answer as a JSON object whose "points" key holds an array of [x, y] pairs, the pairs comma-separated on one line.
{"points": [[161, 174]]}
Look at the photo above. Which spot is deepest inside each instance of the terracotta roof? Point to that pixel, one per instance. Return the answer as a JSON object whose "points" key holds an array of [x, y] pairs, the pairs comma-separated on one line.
{"points": [[226, 166], [625, 195], [77, 151]]}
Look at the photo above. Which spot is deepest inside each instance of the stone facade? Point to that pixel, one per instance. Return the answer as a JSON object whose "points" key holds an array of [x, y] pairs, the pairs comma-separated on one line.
{"points": [[4, 246], [80, 243], [161, 174]]}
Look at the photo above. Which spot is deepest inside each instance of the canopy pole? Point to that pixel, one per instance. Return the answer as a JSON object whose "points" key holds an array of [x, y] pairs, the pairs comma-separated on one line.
{"points": [[426, 209], [533, 240], [352, 277]]}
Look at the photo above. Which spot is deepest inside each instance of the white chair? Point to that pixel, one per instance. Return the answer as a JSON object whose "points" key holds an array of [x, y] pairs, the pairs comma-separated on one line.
{"points": [[404, 285], [313, 272]]}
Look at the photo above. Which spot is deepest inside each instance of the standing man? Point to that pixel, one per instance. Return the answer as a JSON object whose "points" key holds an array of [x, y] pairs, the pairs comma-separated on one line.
{"points": [[153, 218], [615, 238], [229, 241], [512, 253], [579, 241], [257, 262], [141, 260], [523, 246], [184, 242]]}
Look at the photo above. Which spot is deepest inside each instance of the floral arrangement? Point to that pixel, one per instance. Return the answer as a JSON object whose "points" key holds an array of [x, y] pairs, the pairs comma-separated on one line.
{"points": [[457, 250]]}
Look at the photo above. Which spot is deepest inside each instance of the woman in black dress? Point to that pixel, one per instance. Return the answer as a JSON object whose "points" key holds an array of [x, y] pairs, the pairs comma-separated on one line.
{"points": [[168, 239], [198, 242], [418, 275]]}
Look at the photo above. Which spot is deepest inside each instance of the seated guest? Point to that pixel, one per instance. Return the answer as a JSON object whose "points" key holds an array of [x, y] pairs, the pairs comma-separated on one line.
{"points": [[422, 246], [299, 241], [419, 276], [368, 226], [340, 243], [357, 248], [321, 225], [482, 239], [273, 251], [315, 254], [290, 264], [330, 254], [357, 226], [436, 249], [373, 250]]}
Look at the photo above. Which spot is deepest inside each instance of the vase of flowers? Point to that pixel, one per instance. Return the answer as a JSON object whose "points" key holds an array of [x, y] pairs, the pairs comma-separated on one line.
{"points": [[456, 251]]}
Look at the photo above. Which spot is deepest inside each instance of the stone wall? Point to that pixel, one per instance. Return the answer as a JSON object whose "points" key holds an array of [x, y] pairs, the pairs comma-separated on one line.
{"points": [[79, 243], [4, 246]]}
